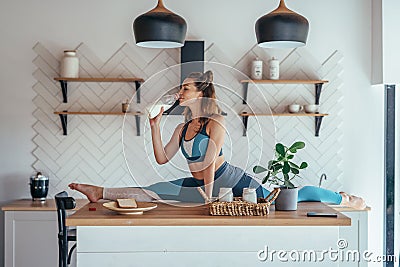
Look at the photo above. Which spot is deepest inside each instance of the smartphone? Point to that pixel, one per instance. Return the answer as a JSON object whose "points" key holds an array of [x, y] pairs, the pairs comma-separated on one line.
{"points": [[321, 214]]}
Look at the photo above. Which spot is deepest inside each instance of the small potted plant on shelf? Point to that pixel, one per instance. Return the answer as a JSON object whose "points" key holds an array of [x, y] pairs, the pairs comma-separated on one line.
{"points": [[281, 171]]}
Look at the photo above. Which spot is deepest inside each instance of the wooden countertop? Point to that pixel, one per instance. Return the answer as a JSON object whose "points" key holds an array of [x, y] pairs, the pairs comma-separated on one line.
{"points": [[341, 208], [168, 215], [29, 205]]}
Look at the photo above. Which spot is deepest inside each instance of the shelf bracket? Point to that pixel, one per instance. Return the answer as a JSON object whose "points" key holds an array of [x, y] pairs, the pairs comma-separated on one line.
{"points": [[245, 89], [64, 120], [245, 121], [318, 121], [137, 119], [318, 89], [137, 83], [64, 89]]}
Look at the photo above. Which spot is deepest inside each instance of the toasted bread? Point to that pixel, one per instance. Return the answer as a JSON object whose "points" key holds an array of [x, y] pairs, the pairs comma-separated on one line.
{"points": [[127, 203]]}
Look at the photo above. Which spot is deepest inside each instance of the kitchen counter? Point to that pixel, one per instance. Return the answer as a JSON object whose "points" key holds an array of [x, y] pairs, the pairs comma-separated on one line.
{"points": [[178, 236], [29, 205], [183, 236], [168, 215]]}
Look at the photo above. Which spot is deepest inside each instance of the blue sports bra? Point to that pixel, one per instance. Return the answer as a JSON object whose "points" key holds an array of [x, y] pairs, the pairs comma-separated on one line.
{"points": [[194, 150]]}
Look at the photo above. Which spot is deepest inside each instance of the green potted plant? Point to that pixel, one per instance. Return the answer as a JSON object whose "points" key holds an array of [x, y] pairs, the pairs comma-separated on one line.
{"points": [[282, 171]]}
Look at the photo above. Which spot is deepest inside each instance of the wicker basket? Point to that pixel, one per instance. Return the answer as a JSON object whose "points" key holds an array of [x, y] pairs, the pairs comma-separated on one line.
{"points": [[238, 207]]}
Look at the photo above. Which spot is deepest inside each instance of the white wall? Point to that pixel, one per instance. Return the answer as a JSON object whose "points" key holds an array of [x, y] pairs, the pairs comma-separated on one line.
{"points": [[104, 25], [385, 52]]}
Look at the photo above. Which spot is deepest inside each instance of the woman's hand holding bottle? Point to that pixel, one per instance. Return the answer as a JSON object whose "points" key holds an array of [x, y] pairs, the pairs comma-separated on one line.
{"points": [[156, 120], [164, 103]]}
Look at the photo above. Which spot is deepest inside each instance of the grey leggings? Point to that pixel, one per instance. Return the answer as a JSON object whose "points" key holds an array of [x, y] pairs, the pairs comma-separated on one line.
{"points": [[227, 175]]}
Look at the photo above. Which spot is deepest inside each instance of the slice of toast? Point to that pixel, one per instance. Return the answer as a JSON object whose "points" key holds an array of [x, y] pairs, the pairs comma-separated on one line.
{"points": [[127, 203]]}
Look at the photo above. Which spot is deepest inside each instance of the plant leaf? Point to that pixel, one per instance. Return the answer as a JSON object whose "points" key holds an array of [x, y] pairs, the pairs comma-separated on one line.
{"points": [[286, 168], [259, 169], [290, 157], [294, 170], [303, 165], [266, 178], [270, 163], [280, 149], [286, 177], [293, 150], [297, 145], [290, 185], [294, 165], [277, 167]]}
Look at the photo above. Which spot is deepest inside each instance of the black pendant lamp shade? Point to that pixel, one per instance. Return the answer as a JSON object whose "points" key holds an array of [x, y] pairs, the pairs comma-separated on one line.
{"points": [[282, 28], [159, 28]]}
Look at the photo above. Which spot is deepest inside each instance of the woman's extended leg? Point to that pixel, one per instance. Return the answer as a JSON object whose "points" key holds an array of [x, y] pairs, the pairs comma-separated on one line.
{"points": [[95, 193], [306, 193], [312, 193], [182, 190]]}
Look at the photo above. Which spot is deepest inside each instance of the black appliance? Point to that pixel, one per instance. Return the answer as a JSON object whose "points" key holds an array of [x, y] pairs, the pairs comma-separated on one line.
{"points": [[39, 185]]}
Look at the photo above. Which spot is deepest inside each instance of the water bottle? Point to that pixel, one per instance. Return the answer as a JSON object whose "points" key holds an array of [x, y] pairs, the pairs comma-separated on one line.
{"points": [[165, 101]]}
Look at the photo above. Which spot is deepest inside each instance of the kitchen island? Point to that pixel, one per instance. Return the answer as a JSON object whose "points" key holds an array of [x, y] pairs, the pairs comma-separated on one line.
{"points": [[189, 236]]}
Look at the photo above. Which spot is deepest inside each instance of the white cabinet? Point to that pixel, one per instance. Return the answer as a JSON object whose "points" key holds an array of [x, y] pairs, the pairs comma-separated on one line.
{"points": [[221, 245], [354, 238], [30, 239]]}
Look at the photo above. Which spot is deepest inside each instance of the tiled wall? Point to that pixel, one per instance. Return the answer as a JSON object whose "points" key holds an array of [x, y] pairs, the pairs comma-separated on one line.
{"points": [[105, 150]]}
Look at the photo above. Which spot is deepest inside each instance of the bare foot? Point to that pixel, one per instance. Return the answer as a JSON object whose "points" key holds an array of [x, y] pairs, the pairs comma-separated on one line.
{"points": [[92, 192], [352, 201]]}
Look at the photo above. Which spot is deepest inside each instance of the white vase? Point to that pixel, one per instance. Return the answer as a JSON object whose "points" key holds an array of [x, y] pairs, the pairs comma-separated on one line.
{"points": [[69, 65], [274, 69], [256, 69]]}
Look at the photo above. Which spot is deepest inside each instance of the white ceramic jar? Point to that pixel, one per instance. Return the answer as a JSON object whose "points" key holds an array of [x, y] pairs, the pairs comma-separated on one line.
{"points": [[256, 69], [70, 65], [225, 194], [249, 195], [274, 69]]}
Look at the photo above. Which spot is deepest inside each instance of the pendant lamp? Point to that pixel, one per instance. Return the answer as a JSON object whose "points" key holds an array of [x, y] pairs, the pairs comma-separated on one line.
{"points": [[159, 28], [282, 28]]}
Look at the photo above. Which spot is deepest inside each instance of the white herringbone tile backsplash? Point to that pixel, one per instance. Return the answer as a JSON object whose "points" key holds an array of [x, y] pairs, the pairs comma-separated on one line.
{"points": [[95, 152]]}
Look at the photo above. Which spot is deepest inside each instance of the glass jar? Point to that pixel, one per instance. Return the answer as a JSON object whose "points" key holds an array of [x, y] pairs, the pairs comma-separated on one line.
{"points": [[225, 194], [249, 195], [69, 65]]}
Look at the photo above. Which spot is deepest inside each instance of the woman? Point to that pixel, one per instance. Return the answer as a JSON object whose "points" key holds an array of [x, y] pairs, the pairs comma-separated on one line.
{"points": [[200, 139]]}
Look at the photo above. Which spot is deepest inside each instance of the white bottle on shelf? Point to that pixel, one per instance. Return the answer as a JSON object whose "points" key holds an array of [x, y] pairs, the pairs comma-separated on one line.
{"points": [[256, 69], [70, 65], [274, 69]]}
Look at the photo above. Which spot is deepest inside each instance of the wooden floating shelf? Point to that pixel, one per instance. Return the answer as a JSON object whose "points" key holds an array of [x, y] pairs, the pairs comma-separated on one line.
{"points": [[285, 81], [96, 113], [318, 118], [285, 114], [64, 117], [317, 83], [91, 79], [64, 83]]}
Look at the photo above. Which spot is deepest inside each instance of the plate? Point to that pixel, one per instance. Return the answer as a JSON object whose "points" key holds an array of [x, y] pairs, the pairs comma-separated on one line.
{"points": [[142, 206]]}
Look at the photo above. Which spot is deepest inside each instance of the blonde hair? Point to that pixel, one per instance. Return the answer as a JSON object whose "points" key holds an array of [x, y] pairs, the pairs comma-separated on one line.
{"points": [[204, 83]]}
